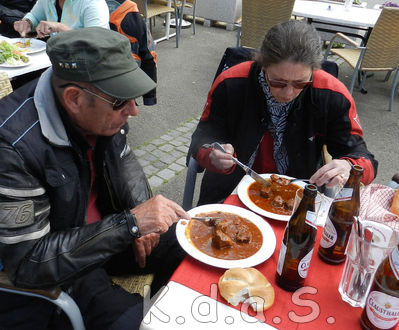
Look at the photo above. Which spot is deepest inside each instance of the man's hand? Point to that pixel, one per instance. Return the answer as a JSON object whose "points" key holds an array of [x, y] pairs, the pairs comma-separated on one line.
{"points": [[22, 27], [157, 214], [143, 247], [334, 173], [45, 28], [222, 160]]}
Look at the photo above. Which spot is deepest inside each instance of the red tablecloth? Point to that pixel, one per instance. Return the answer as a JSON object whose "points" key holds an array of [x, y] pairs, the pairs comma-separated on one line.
{"points": [[318, 305]]}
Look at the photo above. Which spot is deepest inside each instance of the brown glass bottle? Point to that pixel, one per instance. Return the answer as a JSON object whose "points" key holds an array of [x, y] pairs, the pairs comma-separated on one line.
{"points": [[340, 219], [382, 304], [298, 242]]}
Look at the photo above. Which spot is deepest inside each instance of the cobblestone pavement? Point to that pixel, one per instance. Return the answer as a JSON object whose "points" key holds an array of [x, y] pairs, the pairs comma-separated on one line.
{"points": [[165, 156]]}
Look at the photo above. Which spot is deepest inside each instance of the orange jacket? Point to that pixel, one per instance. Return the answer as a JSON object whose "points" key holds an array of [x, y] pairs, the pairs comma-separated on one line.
{"points": [[127, 20]]}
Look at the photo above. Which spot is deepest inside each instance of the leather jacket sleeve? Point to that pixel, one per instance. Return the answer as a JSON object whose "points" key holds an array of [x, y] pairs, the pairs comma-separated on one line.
{"points": [[34, 256]]}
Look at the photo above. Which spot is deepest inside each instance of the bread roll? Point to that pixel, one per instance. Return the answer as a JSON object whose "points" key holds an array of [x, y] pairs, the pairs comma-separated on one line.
{"points": [[239, 284], [395, 203]]}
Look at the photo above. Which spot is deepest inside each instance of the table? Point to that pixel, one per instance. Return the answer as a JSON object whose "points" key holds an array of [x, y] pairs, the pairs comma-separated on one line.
{"points": [[333, 17], [38, 61], [318, 305]]}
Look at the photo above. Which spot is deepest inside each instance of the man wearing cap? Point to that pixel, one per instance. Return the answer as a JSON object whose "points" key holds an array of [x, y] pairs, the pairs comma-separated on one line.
{"points": [[75, 204]]}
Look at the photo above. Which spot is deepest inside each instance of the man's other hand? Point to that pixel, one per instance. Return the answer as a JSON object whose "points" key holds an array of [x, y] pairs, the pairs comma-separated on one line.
{"points": [[157, 214]]}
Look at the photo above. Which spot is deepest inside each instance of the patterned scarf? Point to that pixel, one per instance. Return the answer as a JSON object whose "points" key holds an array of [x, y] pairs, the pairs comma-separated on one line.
{"points": [[278, 114]]}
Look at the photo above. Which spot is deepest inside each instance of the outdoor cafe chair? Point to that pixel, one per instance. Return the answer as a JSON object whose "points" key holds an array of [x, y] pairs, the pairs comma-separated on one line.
{"points": [[131, 283], [150, 9], [381, 53], [258, 17]]}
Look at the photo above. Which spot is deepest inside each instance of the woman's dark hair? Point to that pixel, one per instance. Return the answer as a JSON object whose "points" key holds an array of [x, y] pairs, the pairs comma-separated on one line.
{"points": [[294, 41]]}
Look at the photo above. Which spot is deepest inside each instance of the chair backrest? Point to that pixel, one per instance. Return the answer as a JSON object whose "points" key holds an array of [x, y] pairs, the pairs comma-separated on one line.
{"points": [[382, 49], [189, 186], [258, 16], [5, 85]]}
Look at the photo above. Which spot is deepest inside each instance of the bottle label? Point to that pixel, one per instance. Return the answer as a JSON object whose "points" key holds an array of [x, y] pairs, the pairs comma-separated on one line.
{"points": [[303, 265], [382, 310], [329, 236], [281, 258], [394, 261], [311, 218], [345, 194]]}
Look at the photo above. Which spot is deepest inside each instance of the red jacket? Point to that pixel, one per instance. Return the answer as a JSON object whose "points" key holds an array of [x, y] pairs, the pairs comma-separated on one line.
{"points": [[235, 112]]}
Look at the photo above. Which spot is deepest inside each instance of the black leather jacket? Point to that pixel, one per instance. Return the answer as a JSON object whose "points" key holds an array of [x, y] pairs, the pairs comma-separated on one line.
{"points": [[235, 112], [44, 191]]}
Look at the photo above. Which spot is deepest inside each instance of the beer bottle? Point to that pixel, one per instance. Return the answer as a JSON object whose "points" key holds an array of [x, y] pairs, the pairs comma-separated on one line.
{"points": [[340, 219], [382, 304], [298, 242]]}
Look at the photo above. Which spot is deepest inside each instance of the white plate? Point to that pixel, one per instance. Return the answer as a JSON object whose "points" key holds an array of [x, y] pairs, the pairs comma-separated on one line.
{"points": [[4, 65], [242, 192], [264, 253], [36, 45]]}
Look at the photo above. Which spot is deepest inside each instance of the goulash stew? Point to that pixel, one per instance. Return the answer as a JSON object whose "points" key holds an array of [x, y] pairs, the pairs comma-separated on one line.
{"points": [[278, 198], [230, 237]]}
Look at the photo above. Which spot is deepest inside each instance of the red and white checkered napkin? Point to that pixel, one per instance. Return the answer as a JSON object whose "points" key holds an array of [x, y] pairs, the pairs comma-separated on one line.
{"points": [[375, 202]]}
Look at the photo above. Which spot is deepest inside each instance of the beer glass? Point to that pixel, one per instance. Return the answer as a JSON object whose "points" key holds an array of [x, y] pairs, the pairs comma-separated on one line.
{"points": [[362, 260]]}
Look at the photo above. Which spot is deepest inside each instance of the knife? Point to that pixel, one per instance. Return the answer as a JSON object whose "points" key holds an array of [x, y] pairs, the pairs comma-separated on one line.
{"points": [[249, 171]]}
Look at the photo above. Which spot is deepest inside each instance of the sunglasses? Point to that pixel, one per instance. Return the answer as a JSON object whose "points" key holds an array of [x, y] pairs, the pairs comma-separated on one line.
{"points": [[116, 105], [295, 84]]}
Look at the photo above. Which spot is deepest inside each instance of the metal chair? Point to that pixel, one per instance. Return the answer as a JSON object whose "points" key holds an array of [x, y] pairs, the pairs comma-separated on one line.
{"points": [[151, 9], [381, 53], [258, 16], [189, 187]]}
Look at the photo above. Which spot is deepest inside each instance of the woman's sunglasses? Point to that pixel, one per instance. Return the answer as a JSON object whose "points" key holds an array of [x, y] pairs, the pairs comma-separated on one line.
{"points": [[116, 105], [295, 84]]}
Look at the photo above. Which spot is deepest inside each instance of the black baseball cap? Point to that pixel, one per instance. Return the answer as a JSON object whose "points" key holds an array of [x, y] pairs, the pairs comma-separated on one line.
{"points": [[100, 57]]}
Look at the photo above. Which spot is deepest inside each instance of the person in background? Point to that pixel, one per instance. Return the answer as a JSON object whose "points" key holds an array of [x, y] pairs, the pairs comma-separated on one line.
{"points": [[126, 19], [51, 16], [75, 204], [275, 114], [10, 12]]}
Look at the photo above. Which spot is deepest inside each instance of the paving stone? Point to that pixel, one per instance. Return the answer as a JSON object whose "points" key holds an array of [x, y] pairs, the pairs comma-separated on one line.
{"points": [[149, 157], [148, 147], [166, 174], [157, 142], [176, 142], [159, 165], [166, 137], [176, 167], [181, 161], [174, 133], [139, 152], [167, 147], [143, 162], [176, 154], [167, 159], [183, 129], [182, 148], [150, 170], [158, 153], [155, 181]]}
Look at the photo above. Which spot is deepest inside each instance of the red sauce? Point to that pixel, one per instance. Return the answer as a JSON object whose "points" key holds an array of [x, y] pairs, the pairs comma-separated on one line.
{"points": [[200, 235], [286, 192]]}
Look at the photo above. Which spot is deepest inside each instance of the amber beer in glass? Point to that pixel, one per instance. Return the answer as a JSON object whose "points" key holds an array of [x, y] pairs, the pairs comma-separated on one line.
{"points": [[340, 219], [382, 304], [298, 242]]}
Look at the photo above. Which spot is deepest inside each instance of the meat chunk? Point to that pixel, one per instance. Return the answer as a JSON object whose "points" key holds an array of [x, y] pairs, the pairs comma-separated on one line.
{"points": [[279, 180], [266, 191], [278, 201], [226, 232], [289, 204], [220, 240]]}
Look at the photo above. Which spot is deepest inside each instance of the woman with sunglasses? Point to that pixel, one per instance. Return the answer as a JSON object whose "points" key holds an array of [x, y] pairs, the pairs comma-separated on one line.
{"points": [[275, 114]]}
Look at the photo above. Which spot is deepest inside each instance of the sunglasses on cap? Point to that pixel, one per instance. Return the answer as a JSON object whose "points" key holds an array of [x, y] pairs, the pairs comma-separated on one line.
{"points": [[116, 105], [282, 84]]}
